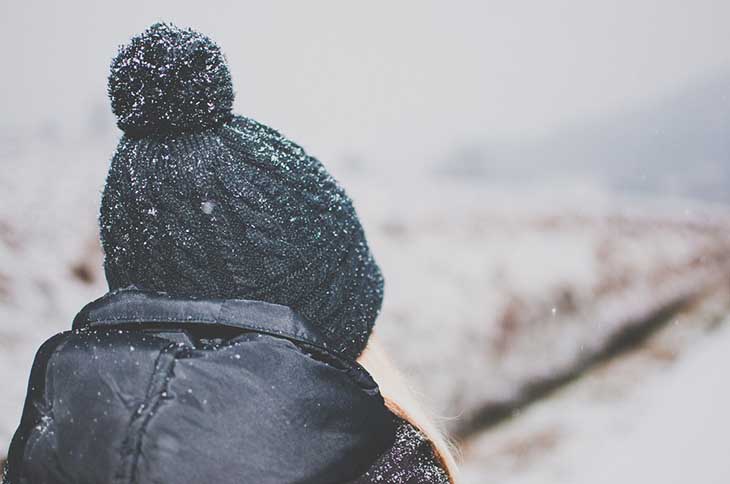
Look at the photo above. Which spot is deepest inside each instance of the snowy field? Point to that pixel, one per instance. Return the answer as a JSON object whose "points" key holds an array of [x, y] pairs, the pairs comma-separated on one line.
{"points": [[658, 414], [489, 290]]}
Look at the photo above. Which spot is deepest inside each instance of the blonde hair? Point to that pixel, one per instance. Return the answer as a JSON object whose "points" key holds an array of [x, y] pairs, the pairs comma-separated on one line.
{"points": [[400, 399]]}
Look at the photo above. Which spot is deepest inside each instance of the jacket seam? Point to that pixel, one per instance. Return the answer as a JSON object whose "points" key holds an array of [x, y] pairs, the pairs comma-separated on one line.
{"points": [[154, 398]]}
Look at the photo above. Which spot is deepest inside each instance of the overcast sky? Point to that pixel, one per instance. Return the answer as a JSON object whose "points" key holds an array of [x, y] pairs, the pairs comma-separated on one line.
{"points": [[384, 80]]}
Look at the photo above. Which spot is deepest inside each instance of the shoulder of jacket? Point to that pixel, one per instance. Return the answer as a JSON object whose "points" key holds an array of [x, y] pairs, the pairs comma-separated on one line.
{"points": [[410, 460]]}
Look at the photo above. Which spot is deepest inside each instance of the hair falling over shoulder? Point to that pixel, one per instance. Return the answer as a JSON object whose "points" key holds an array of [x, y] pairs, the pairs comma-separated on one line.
{"points": [[400, 399]]}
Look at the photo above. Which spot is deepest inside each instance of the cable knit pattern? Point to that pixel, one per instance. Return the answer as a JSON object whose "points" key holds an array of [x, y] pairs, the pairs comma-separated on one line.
{"points": [[239, 211]]}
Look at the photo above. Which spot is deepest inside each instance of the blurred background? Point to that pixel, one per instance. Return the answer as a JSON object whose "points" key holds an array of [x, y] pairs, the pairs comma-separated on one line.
{"points": [[546, 185]]}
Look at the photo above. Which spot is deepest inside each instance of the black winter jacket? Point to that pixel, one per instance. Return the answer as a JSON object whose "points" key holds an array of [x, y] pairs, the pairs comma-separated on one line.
{"points": [[149, 388]]}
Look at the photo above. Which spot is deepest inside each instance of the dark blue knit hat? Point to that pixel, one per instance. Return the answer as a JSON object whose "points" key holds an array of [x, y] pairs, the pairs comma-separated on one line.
{"points": [[203, 203]]}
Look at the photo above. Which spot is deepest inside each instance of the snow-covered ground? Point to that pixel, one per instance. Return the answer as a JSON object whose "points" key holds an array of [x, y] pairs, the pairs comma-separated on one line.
{"points": [[491, 288], [656, 415]]}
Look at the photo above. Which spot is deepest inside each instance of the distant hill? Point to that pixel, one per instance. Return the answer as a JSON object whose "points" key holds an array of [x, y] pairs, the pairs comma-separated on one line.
{"points": [[676, 146]]}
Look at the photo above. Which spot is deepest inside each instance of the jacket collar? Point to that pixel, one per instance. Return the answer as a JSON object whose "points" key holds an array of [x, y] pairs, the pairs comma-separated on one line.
{"points": [[133, 306]]}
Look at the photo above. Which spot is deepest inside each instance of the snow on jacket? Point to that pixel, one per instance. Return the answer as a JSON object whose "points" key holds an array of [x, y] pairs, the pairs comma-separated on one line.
{"points": [[148, 388]]}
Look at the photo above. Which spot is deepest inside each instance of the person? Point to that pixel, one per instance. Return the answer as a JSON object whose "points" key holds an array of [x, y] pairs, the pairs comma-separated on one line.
{"points": [[242, 293]]}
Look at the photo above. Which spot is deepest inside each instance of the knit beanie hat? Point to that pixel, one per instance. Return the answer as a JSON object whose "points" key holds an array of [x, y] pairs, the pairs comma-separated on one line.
{"points": [[200, 202]]}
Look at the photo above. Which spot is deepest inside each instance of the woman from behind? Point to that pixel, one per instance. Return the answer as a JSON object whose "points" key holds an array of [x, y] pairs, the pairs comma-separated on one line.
{"points": [[242, 293]]}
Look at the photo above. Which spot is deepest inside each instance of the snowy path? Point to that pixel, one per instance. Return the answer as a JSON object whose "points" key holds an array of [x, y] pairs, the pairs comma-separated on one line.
{"points": [[658, 415]]}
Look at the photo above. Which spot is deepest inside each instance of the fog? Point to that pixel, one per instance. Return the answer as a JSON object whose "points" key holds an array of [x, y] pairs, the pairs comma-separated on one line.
{"points": [[391, 84]]}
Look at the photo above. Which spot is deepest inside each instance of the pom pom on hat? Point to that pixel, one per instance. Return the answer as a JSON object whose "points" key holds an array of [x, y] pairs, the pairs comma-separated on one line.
{"points": [[169, 80]]}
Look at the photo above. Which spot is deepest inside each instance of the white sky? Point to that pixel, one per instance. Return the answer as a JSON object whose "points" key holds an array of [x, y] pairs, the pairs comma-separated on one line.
{"points": [[382, 80]]}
